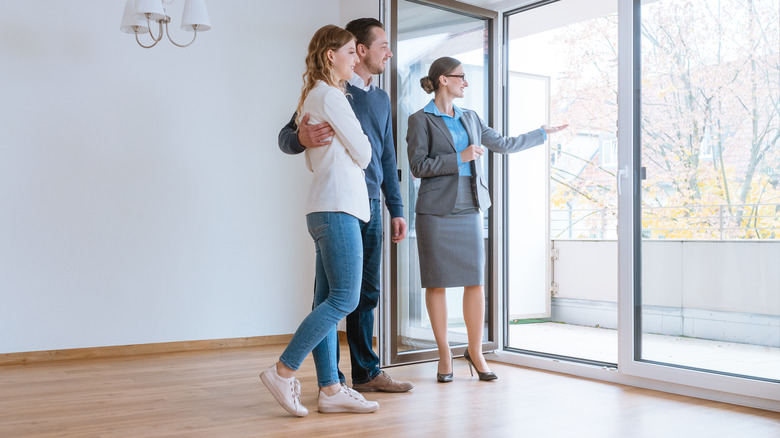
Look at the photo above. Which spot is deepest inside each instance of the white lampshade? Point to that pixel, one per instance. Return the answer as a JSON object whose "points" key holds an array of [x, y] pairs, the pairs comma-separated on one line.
{"points": [[195, 16], [131, 24], [153, 7]]}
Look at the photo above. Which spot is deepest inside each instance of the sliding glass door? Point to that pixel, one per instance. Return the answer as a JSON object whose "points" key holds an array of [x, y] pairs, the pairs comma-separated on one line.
{"points": [[561, 199], [699, 168], [647, 235], [421, 33], [664, 194], [710, 221]]}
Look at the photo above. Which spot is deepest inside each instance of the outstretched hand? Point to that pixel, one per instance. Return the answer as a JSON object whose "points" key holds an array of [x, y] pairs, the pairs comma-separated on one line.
{"points": [[553, 129], [314, 136]]}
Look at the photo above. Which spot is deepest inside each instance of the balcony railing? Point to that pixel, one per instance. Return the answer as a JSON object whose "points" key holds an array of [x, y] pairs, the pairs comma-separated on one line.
{"points": [[685, 222]]}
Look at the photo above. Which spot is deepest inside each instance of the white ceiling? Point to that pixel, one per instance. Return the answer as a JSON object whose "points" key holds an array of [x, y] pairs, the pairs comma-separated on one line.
{"points": [[497, 5]]}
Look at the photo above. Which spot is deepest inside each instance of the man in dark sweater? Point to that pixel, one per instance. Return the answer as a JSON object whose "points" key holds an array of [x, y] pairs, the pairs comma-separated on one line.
{"points": [[372, 108]]}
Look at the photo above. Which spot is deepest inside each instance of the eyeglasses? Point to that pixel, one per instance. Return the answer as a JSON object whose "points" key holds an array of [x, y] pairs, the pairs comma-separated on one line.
{"points": [[461, 76]]}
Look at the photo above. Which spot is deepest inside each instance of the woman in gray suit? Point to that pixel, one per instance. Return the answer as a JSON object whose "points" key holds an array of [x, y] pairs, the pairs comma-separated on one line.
{"points": [[445, 151]]}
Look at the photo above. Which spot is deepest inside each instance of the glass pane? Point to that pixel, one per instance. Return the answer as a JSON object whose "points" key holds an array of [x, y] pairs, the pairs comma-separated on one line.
{"points": [[710, 296], [562, 61], [424, 34]]}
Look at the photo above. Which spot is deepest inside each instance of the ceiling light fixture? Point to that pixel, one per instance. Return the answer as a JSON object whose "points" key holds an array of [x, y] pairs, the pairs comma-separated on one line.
{"points": [[139, 15]]}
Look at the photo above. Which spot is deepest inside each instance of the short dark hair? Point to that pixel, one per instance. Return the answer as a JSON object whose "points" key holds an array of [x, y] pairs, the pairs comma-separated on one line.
{"points": [[361, 28]]}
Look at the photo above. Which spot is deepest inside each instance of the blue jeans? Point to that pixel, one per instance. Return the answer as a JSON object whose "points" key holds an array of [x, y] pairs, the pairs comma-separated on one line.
{"points": [[339, 263], [360, 323]]}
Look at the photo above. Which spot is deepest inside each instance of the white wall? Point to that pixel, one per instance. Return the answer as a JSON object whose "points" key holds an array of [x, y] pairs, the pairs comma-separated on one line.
{"points": [[720, 290], [143, 197], [724, 276], [351, 9]]}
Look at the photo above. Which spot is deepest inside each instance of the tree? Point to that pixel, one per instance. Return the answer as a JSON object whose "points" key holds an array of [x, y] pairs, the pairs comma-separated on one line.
{"points": [[710, 111]]}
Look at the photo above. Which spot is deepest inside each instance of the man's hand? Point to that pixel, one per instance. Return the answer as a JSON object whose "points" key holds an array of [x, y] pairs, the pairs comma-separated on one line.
{"points": [[398, 226], [314, 136]]}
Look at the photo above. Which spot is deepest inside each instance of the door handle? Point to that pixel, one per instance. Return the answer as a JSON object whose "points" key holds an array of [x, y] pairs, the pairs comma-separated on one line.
{"points": [[621, 175]]}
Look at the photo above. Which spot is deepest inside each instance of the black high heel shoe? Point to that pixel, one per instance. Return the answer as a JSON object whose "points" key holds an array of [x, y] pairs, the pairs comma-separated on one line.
{"points": [[446, 378], [490, 375]]}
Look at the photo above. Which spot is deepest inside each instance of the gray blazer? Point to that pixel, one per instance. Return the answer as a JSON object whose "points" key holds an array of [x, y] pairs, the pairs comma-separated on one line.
{"points": [[433, 158]]}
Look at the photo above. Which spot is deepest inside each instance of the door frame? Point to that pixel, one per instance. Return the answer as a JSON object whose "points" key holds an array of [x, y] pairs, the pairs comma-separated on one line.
{"points": [[631, 370], [630, 244]]}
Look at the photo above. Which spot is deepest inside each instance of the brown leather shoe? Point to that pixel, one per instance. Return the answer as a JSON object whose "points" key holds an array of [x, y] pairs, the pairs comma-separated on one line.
{"points": [[383, 383]]}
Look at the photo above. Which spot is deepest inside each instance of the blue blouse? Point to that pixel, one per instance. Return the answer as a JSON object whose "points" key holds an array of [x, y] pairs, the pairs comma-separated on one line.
{"points": [[459, 135]]}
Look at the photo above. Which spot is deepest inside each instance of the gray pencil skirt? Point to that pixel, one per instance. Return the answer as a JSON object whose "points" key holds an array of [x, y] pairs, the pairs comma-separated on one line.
{"points": [[451, 247]]}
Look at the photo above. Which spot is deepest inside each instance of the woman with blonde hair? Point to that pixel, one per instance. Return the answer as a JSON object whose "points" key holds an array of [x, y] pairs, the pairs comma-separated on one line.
{"points": [[337, 202], [445, 147]]}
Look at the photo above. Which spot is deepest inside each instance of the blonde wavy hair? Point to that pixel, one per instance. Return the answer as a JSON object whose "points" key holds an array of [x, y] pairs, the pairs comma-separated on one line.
{"points": [[318, 66]]}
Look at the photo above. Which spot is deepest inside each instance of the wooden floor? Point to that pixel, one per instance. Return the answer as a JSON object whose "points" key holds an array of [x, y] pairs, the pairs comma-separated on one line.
{"points": [[218, 394]]}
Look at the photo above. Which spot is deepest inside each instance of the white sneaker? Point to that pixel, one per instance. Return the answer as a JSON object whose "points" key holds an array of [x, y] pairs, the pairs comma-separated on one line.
{"points": [[286, 391], [346, 400]]}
